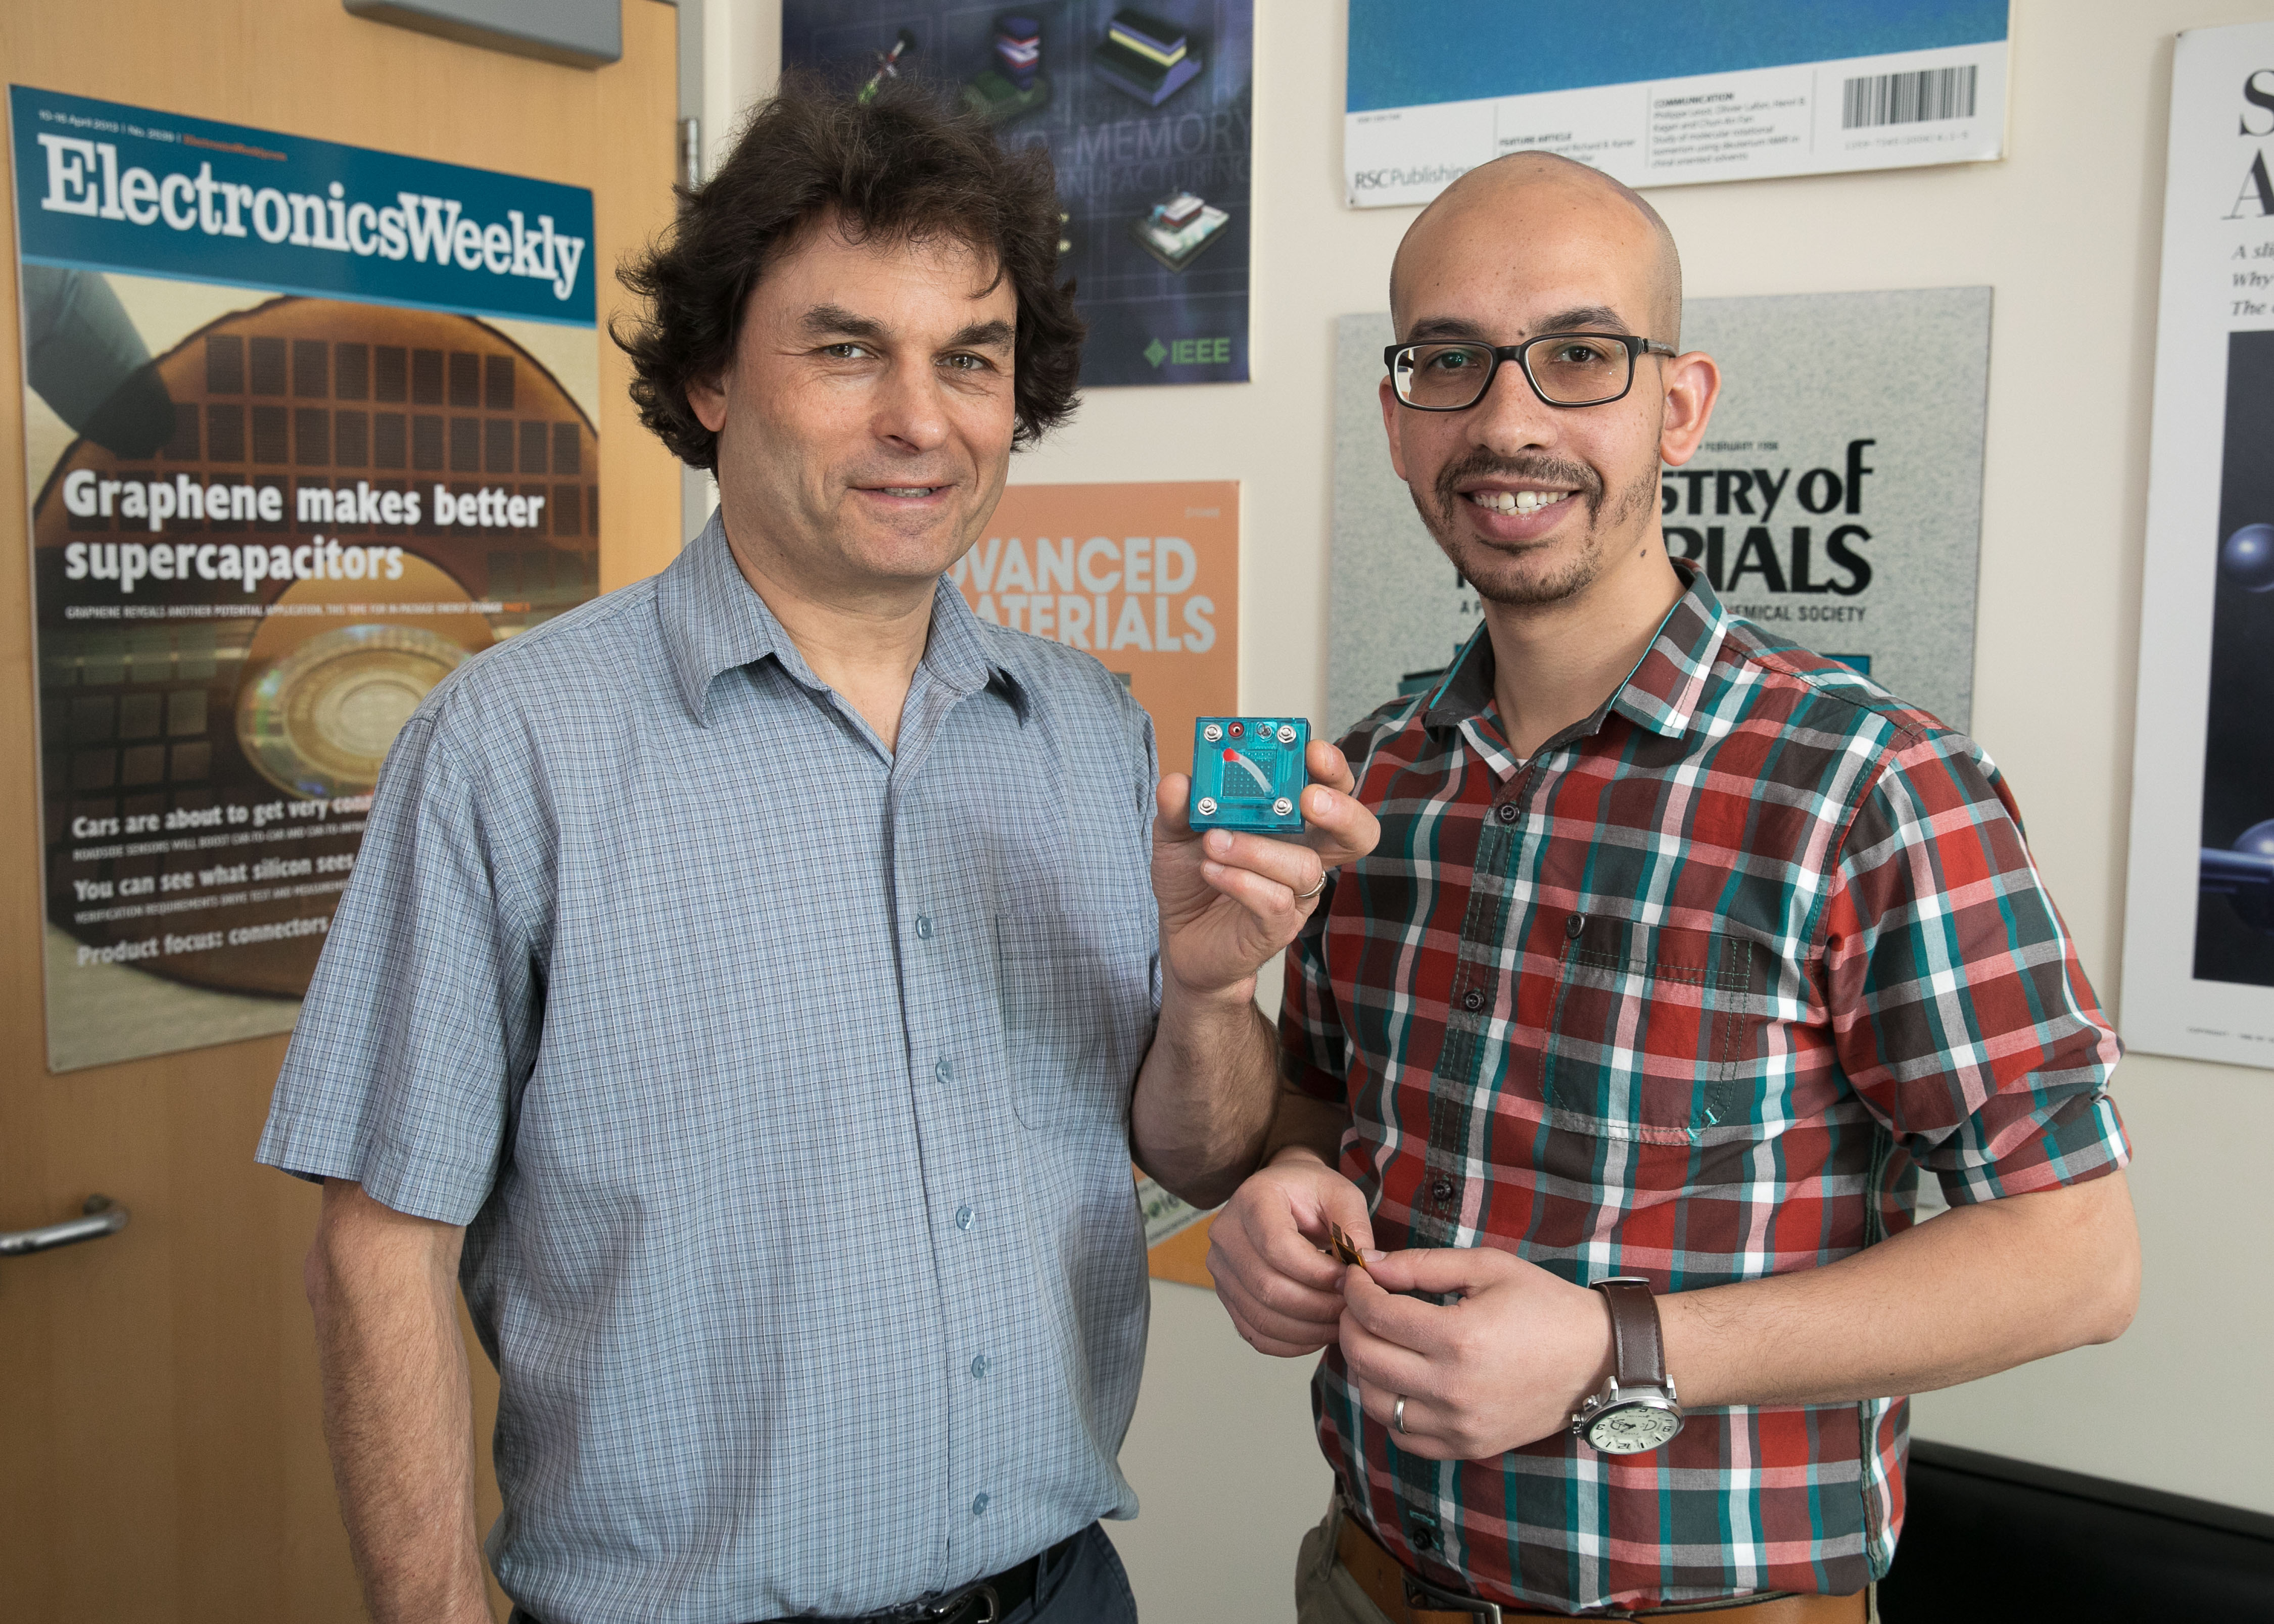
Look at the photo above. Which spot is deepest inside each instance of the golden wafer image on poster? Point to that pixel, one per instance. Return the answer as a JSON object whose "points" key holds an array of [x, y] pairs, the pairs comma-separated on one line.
{"points": [[307, 428], [1146, 576]]}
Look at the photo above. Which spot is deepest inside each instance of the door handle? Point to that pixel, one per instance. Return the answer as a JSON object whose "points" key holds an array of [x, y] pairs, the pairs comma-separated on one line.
{"points": [[100, 1216]]}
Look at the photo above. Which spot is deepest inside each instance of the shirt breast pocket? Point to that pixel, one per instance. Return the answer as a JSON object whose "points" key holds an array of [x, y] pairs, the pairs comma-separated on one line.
{"points": [[1659, 1035], [1078, 1014]]}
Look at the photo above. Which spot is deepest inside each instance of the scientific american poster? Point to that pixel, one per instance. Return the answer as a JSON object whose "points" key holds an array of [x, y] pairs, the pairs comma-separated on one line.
{"points": [[1827, 505], [1146, 111], [306, 426], [1668, 96], [1147, 578], [2199, 917]]}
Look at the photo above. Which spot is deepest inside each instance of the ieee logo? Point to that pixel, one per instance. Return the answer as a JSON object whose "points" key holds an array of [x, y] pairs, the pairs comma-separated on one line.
{"points": [[1190, 351]]}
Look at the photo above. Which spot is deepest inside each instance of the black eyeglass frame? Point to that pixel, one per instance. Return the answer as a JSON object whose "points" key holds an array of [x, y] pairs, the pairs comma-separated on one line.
{"points": [[1636, 347]]}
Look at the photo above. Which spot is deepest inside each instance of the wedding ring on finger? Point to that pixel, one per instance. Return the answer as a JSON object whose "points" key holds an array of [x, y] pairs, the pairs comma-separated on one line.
{"points": [[1398, 1414], [1304, 896]]}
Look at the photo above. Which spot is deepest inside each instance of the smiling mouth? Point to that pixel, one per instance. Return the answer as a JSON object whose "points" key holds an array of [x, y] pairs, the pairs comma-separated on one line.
{"points": [[1517, 501], [906, 490]]}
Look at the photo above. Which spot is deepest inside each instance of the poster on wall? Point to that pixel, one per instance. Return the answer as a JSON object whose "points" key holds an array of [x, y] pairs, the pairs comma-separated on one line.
{"points": [[306, 427], [1833, 510], [1668, 96], [1146, 577], [1145, 113], [2199, 916]]}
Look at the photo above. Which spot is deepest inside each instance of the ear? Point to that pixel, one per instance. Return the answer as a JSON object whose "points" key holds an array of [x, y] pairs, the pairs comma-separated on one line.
{"points": [[1693, 383], [1393, 418], [707, 399]]}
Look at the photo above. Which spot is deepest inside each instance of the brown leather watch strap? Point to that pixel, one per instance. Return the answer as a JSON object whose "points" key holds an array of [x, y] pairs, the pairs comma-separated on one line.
{"points": [[1638, 1346]]}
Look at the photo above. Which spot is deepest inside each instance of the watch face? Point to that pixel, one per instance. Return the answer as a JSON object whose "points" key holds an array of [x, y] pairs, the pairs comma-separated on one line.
{"points": [[1630, 1429]]}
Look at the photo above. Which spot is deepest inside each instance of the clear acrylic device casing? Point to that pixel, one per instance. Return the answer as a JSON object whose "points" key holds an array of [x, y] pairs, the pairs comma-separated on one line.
{"points": [[1248, 773]]}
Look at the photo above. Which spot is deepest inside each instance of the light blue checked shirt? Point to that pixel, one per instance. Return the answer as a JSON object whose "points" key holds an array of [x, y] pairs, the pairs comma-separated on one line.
{"points": [[782, 1084]]}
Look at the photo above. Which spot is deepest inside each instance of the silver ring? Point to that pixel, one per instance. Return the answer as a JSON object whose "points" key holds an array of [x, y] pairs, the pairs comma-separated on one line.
{"points": [[1397, 1415], [1304, 896]]}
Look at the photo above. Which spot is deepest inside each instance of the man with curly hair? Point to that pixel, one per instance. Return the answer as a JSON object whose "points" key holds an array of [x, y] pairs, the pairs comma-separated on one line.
{"points": [[751, 990]]}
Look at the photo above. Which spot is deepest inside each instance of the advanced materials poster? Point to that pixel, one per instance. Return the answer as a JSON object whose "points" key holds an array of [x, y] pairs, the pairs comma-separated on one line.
{"points": [[1835, 507], [2199, 917], [306, 427], [1146, 577], [1147, 114], [1665, 96]]}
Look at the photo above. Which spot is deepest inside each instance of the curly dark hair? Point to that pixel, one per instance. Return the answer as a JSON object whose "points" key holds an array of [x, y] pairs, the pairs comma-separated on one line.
{"points": [[899, 167]]}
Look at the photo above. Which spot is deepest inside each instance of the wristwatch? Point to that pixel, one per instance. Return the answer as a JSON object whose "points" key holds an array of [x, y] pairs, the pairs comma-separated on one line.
{"points": [[1638, 1410]]}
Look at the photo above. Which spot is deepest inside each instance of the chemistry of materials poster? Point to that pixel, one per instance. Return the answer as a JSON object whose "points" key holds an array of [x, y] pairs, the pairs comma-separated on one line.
{"points": [[2199, 915], [306, 427], [1147, 578], [1665, 95], [1833, 508], [1146, 112]]}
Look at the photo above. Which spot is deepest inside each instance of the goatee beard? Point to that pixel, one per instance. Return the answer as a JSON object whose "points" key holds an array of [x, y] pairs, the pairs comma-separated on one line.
{"points": [[1443, 516]]}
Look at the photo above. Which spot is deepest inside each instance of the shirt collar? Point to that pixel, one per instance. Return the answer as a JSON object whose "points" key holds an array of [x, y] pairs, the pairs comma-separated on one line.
{"points": [[1661, 692], [714, 621]]}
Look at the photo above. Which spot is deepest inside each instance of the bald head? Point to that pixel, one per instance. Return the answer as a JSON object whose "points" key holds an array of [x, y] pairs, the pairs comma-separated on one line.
{"points": [[1528, 192]]}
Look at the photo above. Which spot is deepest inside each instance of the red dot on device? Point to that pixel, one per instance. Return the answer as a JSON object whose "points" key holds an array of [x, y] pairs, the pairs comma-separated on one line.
{"points": [[1231, 754]]}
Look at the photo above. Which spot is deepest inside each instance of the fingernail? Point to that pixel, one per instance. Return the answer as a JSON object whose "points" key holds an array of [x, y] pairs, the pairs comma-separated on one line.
{"points": [[1219, 842], [1373, 1256]]}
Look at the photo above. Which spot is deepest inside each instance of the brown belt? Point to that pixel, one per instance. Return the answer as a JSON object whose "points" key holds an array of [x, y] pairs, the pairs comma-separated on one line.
{"points": [[1389, 1584]]}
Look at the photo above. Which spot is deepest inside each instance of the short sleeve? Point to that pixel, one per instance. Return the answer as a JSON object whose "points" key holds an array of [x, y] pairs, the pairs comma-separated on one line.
{"points": [[1960, 1012], [422, 1015]]}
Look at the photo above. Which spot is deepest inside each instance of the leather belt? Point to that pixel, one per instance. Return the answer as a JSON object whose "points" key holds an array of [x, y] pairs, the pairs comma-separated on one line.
{"points": [[991, 1599], [1405, 1597]]}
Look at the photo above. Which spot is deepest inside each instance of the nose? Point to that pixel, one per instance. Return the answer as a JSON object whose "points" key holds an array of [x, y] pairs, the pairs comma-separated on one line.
{"points": [[1512, 417], [911, 411]]}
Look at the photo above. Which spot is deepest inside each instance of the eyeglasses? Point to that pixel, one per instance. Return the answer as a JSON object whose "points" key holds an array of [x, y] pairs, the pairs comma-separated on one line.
{"points": [[1564, 369]]}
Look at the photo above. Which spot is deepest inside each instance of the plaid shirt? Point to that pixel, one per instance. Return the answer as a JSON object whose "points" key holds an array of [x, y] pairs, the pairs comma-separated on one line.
{"points": [[1693, 994]]}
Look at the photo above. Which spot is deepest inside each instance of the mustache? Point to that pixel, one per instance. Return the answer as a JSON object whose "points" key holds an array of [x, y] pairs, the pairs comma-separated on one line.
{"points": [[1480, 463]]}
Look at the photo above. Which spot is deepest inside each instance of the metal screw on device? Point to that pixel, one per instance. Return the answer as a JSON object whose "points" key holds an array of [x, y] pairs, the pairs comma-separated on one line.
{"points": [[1208, 806], [1286, 732], [1212, 733], [1282, 806]]}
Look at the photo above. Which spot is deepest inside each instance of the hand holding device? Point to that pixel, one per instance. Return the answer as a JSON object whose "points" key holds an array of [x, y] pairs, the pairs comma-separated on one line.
{"points": [[1504, 1364], [1231, 894], [1283, 1294]]}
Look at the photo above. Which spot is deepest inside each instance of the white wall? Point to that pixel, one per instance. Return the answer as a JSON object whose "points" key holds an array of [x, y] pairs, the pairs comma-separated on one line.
{"points": [[2067, 230]]}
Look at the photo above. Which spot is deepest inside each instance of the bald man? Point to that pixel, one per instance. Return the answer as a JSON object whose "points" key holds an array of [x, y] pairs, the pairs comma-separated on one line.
{"points": [[1682, 953]]}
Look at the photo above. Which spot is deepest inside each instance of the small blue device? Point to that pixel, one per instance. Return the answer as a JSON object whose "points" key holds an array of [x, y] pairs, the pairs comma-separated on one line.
{"points": [[1248, 773]]}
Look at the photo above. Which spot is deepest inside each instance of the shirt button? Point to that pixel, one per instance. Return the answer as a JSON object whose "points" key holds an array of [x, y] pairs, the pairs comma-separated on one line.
{"points": [[978, 1503], [945, 1071], [963, 1216], [1442, 1189], [1472, 1000], [979, 1367], [1507, 812], [1424, 1536], [924, 925], [1573, 925]]}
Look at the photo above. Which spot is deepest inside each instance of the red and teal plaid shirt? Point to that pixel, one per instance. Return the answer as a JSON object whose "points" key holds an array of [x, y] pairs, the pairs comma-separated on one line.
{"points": [[1695, 993]]}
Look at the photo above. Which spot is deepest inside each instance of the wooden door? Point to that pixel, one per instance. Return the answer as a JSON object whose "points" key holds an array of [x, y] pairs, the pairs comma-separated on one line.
{"points": [[160, 1451]]}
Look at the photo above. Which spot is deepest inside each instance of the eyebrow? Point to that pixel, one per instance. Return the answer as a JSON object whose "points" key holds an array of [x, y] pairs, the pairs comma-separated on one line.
{"points": [[997, 335], [1459, 327], [835, 321]]}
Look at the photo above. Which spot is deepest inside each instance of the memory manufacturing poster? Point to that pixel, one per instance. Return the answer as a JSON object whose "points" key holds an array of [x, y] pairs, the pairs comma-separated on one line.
{"points": [[1824, 506], [306, 427], [2199, 913], [1147, 115], [1665, 95]]}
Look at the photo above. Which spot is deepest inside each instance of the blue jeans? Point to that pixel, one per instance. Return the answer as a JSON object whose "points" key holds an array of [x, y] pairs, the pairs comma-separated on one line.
{"points": [[1090, 1585], [1087, 1586]]}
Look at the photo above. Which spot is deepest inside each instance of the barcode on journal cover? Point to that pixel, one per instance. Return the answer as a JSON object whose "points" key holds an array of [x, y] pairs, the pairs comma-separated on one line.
{"points": [[1907, 98]]}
